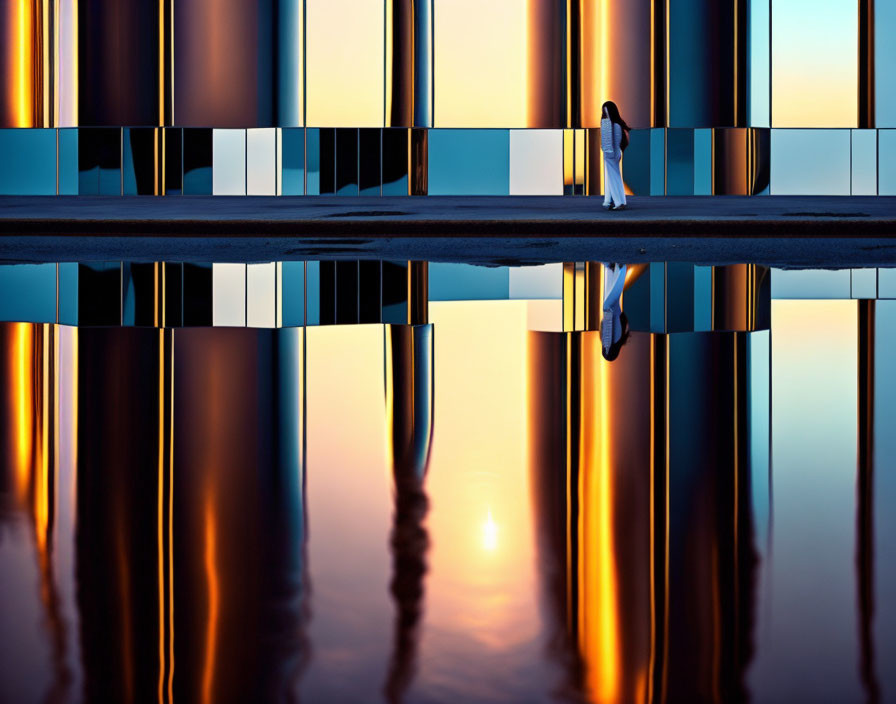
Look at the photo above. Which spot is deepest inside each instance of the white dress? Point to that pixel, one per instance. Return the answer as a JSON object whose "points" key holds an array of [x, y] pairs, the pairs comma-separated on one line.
{"points": [[611, 145], [611, 322]]}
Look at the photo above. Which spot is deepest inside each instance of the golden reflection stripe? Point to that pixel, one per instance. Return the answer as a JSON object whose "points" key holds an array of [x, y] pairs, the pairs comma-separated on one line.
{"points": [[211, 575], [652, 70], [572, 497], [666, 450], [607, 591], [41, 464], [161, 63], [21, 377], [171, 524], [652, 662], [604, 53], [668, 80], [46, 53], [20, 51], [160, 479]]}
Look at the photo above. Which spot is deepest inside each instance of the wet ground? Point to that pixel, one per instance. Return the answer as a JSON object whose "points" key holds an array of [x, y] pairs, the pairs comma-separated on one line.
{"points": [[474, 509]]}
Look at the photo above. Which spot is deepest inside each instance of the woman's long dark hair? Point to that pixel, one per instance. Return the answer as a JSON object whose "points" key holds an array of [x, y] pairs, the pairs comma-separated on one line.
{"points": [[616, 118]]}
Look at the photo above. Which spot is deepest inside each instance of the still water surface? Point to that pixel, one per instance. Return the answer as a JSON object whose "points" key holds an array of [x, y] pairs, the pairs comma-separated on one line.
{"points": [[470, 510]]}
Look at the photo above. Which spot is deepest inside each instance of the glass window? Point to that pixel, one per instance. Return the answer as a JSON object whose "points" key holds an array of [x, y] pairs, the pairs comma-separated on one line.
{"points": [[810, 162], [815, 63], [480, 63], [344, 54]]}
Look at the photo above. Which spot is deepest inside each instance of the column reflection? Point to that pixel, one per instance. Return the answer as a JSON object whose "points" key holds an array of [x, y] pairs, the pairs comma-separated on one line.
{"points": [[646, 534], [409, 408]]}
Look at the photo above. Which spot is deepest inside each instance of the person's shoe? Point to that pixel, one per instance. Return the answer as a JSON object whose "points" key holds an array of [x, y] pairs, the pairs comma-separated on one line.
{"points": [[606, 206], [621, 206]]}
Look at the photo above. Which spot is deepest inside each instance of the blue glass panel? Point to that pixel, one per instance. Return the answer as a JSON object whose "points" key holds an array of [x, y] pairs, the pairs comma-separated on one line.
{"points": [[312, 293], [864, 283], [636, 162], [702, 298], [885, 63], [27, 162], [811, 283], [465, 282], [657, 273], [68, 293], [292, 162], [680, 162], [28, 293], [810, 162], [68, 162], [886, 283], [469, 162], [657, 162], [292, 303], [864, 162], [679, 297], [759, 63], [313, 160], [703, 162], [886, 162]]}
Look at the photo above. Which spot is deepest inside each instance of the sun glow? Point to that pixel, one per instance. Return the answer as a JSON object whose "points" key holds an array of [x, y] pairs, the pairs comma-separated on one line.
{"points": [[490, 533]]}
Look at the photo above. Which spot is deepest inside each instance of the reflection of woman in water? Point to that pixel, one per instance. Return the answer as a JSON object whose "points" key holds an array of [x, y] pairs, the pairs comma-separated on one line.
{"points": [[613, 324], [613, 141]]}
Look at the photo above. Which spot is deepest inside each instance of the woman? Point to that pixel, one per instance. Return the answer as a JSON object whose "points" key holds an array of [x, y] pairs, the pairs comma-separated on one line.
{"points": [[613, 141], [613, 324]]}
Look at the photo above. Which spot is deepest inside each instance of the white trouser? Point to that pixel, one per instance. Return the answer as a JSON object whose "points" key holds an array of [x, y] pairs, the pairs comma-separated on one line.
{"points": [[614, 191], [611, 324]]}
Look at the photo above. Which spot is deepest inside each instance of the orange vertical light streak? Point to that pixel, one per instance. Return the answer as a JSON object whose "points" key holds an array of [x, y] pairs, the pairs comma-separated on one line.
{"points": [[161, 63], [46, 52], [211, 575], [607, 689], [604, 51], [652, 662], [41, 465], [171, 525], [601, 639], [22, 51], [21, 379], [160, 483]]}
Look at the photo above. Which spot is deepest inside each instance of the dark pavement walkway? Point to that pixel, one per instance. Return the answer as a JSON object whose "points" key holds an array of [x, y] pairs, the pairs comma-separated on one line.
{"points": [[784, 230]]}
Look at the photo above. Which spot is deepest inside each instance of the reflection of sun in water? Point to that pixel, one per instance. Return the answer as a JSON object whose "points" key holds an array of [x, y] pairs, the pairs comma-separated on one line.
{"points": [[489, 533]]}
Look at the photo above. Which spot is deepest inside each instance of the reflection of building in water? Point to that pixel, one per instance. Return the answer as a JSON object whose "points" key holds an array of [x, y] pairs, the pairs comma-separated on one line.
{"points": [[29, 475], [409, 409], [865, 497], [647, 533], [190, 512]]}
